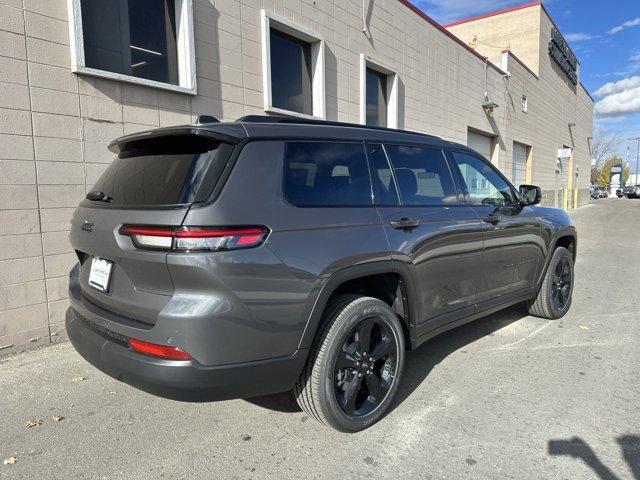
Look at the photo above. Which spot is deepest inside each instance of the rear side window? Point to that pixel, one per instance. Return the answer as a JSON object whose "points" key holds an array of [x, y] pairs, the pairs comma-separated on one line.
{"points": [[326, 174], [162, 171], [422, 175]]}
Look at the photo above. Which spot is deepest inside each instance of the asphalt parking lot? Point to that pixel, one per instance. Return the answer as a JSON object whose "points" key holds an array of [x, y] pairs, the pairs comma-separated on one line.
{"points": [[509, 396]]}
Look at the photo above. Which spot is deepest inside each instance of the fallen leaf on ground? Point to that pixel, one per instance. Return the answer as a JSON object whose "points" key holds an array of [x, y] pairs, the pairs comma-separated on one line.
{"points": [[33, 422], [584, 327], [10, 460], [57, 418], [76, 379]]}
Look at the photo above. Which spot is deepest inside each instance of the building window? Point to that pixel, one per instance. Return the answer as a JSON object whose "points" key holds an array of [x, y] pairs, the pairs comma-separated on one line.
{"points": [[293, 68], [376, 98], [149, 42], [525, 103], [378, 94]]}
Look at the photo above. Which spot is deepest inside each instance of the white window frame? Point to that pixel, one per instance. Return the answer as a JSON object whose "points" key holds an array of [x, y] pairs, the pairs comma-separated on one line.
{"points": [[525, 103], [271, 20], [392, 90], [185, 46]]}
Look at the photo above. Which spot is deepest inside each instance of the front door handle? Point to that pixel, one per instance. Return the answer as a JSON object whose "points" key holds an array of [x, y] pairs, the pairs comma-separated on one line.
{"points": [[492, 218], [405, 223]]}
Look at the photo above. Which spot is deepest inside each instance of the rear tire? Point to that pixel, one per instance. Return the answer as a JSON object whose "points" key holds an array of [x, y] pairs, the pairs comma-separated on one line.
{"points": [[554, 298], [343, 385]]}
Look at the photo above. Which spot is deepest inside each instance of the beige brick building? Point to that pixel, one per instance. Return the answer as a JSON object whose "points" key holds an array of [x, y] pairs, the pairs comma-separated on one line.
{"points": [[64, 95]]}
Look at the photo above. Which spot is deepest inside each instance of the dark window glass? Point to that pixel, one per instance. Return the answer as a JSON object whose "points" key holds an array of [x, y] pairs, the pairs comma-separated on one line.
{"points": [[376, 98], [422, 175], [326, 174], [131, 37], [290, 73], [144, 176], [384, 186], [484, 184]]}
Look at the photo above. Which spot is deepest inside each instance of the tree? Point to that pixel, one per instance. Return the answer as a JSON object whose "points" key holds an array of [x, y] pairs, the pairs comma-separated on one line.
{"points": [[604, 176], [603, 146]]}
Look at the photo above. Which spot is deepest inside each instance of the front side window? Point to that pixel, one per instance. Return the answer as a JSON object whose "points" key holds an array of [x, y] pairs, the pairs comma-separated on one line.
{"points": [[376, 90], [422, 175], [131, 37], [484, 185], [326, 174]]}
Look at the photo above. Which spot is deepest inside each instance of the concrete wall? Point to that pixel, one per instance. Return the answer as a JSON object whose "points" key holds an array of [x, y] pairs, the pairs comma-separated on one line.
{"points": [[55, 125], [516, 30], [553, 101]]}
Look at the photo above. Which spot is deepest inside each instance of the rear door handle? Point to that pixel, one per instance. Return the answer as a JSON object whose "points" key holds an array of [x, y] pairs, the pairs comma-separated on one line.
{"points": [[405, 223]]}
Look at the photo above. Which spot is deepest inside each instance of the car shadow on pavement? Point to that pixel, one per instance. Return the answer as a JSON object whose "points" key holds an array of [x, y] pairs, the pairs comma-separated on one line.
{"points": [[419, 362], [422, 360], [578, 448]]}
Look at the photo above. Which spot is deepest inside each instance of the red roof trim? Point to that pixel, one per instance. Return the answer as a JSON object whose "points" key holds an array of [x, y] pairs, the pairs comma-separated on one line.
{"points": [[493, 14], [439, 27]]}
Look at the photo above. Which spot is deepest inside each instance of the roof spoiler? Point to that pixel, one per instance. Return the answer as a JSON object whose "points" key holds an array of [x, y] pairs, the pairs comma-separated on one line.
{"points": [[222, 132]]}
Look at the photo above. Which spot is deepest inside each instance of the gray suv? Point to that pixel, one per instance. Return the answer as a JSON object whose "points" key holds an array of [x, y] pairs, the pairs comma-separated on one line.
{"points": [[230, 260]]}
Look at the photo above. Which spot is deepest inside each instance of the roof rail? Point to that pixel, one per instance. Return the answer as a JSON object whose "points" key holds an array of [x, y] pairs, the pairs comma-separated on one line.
{"points": [[313, 121]]}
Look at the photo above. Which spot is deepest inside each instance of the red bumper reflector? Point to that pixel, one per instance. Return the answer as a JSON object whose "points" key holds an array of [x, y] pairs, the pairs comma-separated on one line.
{"points": [[160, 351]]}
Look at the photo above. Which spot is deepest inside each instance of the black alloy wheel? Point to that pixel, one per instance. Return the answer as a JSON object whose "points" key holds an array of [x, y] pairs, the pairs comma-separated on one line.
{"points": [[365, 367], [561, 286], [355, 366]]}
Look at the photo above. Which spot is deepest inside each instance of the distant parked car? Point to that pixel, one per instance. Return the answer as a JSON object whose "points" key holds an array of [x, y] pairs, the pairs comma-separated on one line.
{"points": [[631, 191], [599, 192], [619, 193]]}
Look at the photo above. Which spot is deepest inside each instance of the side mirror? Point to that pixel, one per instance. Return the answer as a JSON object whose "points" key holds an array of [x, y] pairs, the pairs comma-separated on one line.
{"points": [[530, 194]]}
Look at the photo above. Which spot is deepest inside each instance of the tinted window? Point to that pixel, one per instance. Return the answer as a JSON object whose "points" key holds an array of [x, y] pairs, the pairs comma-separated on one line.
{"points": [[146, 176], [326, 174], [422, 175], [135, 38], [484, 184], [290, 73], [376, 98], [384, 186]]}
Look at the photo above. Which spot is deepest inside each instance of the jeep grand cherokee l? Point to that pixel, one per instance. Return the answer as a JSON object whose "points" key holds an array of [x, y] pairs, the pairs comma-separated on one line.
{"points": [[227, 260]]}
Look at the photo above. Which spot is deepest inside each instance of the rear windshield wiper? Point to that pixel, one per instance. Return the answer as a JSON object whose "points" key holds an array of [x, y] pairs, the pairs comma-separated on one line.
{"points": [[97, 196]]}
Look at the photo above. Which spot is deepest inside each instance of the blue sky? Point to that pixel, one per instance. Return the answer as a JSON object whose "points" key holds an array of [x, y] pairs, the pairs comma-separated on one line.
{"points": [[605, 36]]}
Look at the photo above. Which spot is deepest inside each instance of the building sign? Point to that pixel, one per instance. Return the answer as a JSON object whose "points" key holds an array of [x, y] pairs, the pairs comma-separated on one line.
{"points": [[563, 56], [564, 153], [616, 169]]}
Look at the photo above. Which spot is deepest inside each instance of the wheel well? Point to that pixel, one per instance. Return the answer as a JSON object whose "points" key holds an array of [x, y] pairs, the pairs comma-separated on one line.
{"points": [[569, 243], [388, 287]]}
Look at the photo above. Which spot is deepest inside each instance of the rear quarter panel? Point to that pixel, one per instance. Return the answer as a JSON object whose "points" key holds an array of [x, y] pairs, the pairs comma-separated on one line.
{"points": [[272, 289]]}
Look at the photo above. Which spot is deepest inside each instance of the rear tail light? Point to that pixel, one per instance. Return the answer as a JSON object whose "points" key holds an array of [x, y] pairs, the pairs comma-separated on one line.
{"points": [[189, 239], [160, 351]]}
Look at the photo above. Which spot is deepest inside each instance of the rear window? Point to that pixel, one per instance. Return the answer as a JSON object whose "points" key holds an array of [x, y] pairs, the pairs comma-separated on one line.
{"points": [[326, 174], [163, 171]]}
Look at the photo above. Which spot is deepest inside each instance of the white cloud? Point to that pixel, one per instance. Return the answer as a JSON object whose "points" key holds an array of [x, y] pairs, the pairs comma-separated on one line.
{"points": [[631, 23], [625, 102], [578, 37], [618, 87]]}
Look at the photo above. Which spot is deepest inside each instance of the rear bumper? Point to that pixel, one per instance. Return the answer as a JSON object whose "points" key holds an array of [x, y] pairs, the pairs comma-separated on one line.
{"points": [[181, 380]]}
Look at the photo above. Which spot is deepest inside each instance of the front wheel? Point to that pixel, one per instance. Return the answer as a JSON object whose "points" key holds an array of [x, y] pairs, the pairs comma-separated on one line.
{"points": [[554, 298], [354, 368]]}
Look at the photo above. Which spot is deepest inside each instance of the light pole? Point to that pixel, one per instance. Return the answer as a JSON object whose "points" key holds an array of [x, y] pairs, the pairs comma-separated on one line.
{"points": [[637, 182]]}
